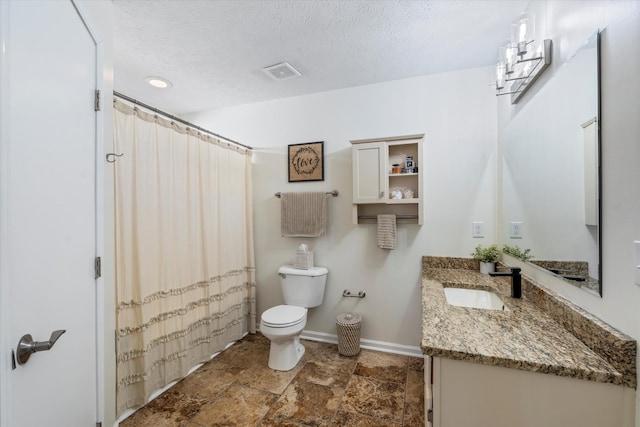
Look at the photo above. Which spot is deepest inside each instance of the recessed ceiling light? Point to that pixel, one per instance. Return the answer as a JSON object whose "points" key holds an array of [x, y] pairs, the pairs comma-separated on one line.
{"points": [[281, 71], [158, 82]]}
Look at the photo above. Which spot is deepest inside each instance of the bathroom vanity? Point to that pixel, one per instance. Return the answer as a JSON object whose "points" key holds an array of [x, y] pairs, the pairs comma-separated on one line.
{"points": [[535, 361]]}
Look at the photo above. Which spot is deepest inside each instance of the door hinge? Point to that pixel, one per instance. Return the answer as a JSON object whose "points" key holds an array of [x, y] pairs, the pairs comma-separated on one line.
{"points": [[96, 102], [98, 267], [430, 415], [99, 424]]}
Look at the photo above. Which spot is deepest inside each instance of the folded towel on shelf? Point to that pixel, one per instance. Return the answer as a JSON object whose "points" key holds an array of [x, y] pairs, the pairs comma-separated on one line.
{"points": [[303, 214], [387, 235]]}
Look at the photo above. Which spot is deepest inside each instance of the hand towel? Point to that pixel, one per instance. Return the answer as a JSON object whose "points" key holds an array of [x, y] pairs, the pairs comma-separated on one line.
{"points": [[303, 214], [387, 236]]}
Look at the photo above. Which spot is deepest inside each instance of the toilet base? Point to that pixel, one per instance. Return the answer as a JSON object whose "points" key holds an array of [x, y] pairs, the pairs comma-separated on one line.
{"points": [[285, 355]]}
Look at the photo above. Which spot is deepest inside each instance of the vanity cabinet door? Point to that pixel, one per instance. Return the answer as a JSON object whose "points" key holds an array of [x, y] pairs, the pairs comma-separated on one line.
{"points": [[369, 166], [472, 394]]}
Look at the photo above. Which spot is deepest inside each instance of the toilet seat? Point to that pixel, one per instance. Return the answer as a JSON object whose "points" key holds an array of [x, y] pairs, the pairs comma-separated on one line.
{"points": [[283, 316]]}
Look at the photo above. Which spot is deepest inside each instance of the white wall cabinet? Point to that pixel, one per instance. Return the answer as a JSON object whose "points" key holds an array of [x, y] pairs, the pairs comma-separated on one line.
{"points": [[463, 393], [382, 182]]}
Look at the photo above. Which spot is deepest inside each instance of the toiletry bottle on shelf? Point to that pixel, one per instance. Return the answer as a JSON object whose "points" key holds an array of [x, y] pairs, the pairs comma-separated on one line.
{"points": [[408, 164]]}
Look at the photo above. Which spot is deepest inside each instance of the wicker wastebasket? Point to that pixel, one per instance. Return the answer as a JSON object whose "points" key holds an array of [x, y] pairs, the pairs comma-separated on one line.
{"points": [[348, 326]]}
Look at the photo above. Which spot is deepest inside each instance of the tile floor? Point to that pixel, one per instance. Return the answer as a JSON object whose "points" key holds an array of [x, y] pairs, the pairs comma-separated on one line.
{"points": [[236, 388]]}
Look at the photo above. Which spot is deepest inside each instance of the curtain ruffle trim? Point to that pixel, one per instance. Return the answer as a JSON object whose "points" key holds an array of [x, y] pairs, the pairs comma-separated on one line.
{"points": [[124, 331], [128, 355], [142, 376], [179, 291]]}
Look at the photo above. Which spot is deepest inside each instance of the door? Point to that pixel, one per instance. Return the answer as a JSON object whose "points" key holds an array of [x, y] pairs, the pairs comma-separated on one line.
{"points": [[369, 172], [49, 208]]}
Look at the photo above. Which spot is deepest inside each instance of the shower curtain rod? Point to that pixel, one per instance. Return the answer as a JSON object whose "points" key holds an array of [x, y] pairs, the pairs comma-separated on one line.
{"points": [[177, 119]]}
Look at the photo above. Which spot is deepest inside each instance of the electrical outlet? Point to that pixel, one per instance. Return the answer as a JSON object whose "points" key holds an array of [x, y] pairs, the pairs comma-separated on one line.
{"points": [[477, 230], [515, 229]]}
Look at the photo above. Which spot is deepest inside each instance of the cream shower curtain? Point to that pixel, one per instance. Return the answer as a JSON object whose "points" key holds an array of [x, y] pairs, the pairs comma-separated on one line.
{"points": [[184, 251]]}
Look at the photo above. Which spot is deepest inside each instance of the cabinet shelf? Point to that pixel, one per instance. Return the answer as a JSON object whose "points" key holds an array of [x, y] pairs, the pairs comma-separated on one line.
{"points": [[403, 201], [391, 175]]}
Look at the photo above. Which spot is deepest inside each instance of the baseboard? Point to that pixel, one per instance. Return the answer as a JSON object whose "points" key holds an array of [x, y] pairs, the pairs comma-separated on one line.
{"points": [[387, 347]]}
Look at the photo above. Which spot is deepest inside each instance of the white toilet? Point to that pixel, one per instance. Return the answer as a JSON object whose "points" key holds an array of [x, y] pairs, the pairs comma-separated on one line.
{"points": [[283, 324]]}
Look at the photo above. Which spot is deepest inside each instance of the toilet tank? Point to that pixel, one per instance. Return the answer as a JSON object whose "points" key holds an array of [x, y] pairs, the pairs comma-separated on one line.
{"points": [[304, 288]]}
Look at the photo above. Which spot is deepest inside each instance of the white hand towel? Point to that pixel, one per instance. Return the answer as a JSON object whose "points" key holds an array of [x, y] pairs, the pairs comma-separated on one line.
{"points": [[387, 235]]}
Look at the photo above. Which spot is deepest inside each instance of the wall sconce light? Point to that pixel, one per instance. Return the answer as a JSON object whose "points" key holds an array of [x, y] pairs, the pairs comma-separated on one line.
{"points": [[520, 60]]}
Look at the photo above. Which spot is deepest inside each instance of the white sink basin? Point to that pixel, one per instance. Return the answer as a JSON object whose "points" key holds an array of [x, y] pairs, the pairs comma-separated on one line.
{"points": [[474, 298]]}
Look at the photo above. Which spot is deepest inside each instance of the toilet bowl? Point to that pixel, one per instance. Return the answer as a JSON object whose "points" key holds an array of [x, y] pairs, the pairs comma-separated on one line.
{"points": [[283, 324]]}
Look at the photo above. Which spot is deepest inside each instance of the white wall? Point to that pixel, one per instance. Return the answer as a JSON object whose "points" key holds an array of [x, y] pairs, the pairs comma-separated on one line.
{"points": [[568, 23], [456, 112]]}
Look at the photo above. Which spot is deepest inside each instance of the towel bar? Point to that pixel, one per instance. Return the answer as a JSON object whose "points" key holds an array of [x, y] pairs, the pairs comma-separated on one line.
{"points": [[334, 193], [397, 217]]}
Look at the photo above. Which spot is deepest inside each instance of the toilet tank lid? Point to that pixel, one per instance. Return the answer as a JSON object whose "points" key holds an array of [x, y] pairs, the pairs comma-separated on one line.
{"points": [[313, 271]]}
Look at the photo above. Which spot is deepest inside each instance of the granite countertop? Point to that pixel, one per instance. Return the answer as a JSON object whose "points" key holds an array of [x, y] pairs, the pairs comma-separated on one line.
{"points": [[524, 337]]}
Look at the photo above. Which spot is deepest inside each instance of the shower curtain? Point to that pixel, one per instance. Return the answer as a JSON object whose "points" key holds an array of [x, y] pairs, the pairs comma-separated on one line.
{"points": [[184, 250]]}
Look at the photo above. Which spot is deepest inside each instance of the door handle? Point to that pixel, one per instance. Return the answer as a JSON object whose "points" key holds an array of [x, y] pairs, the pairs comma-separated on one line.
{"points": [[27, 346]]}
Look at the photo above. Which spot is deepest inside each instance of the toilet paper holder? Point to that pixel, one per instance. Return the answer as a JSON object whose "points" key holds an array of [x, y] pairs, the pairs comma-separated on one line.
{"points": [[347, 294]]}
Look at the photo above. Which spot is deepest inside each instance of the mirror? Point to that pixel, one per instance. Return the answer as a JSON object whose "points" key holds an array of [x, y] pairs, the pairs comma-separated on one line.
{"points": [[550, 173]]}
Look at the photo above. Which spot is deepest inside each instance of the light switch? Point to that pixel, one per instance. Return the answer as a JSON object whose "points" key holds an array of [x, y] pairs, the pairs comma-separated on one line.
{"points": [[636, 262]]}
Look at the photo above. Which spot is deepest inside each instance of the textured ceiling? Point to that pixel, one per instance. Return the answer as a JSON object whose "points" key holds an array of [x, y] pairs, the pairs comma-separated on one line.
{"points": [[213, 51]]}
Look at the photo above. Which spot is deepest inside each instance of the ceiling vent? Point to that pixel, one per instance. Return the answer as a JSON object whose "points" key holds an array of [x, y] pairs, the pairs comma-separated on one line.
{"points": [[281, 71]]}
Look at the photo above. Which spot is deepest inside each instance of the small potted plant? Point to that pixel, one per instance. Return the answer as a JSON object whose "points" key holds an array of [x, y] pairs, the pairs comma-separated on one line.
{"points": [[516, 252], [488, 257]]}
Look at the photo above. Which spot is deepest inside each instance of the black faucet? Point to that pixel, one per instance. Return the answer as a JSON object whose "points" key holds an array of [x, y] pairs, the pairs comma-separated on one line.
{"points": [[568, 274], [516, 281]]}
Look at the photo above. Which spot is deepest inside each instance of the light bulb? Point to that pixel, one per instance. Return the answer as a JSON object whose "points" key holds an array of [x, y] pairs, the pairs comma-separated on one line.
{"points": [[523, 32], [507, 54], [500, 75]]}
